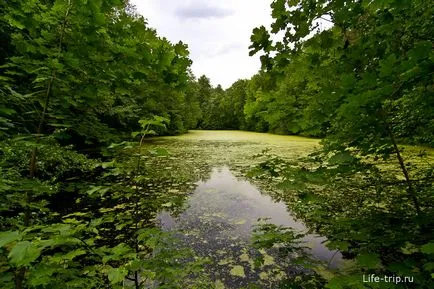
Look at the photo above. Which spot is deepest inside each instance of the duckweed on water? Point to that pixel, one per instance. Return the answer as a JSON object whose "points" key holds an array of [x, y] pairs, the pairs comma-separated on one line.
{"points": [[221, 207]]}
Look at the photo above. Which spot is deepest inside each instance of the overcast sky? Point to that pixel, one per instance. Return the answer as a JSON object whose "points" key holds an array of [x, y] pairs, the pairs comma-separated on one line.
{"points": [[216, 32]]}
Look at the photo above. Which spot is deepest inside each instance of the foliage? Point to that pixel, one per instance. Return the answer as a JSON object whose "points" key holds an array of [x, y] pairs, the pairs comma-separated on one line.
{"points": [[289, 248], [363, 209], [371, 70], [363, 84], [77, 76], [95, 69], [105, 237]]}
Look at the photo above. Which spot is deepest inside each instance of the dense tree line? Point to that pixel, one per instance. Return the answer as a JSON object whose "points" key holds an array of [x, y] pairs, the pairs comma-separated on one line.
{"points": [[364, 65], [217, 108]]}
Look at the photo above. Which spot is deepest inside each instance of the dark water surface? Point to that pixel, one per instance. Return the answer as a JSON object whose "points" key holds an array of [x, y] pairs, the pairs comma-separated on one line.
{"points": [[217, 223], [212, 207]]}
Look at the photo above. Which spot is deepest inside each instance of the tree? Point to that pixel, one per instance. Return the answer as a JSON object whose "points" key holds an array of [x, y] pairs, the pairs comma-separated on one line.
{"points": [[77, 76], [233, 105], [375, 61]]}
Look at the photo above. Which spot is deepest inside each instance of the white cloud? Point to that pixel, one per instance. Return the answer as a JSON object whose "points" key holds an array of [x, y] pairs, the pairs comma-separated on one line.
{"points": [[217, 33], [202, 10]]}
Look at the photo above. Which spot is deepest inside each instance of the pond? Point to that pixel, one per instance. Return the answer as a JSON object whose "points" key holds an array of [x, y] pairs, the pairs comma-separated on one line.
{"points": [[222, 206]]}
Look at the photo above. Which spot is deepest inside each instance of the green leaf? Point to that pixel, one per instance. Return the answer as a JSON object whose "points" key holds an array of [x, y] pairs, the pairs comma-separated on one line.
{"points": [[24, 253], [341, 158], [7, 111], [387, 65], [409, 248], [336, 283], [260, 40], [429, 266], [370, 260], [14, 22], [9, 237], [428, 248], [422, 50], [116, 275], [60, 125], [71, 255], [41, 275], [118, 252], [181, 49], [150, 237], [348, 81], [150, 132], [278, 8], [341, 245]]}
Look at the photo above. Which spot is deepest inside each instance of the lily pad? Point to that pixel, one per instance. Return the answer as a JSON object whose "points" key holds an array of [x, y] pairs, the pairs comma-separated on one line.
{"points": [[238, 271], [268, 260], [244, 257], [263, 275]]}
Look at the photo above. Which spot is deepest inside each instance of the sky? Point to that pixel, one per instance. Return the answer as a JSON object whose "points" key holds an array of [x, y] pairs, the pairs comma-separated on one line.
{"points": [[216, 32]]}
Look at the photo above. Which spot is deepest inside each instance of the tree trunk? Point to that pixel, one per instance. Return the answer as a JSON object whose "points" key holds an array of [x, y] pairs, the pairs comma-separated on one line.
{"points": [[21, 272], [410, 189]]}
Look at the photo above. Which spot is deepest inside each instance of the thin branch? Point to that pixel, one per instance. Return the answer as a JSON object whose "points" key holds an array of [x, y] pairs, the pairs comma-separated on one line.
{"points": [[331, 259], [326, 19], [89, 247], [410, 190]]}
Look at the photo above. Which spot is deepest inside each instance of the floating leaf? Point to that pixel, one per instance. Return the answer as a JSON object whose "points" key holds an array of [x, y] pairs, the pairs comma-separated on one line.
{"points": [[268, 260], [263, 276], [238, 271], [244, 257]]}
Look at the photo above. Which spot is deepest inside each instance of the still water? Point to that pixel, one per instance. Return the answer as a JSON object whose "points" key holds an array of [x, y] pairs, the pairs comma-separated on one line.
{"points": [[220, 212]]}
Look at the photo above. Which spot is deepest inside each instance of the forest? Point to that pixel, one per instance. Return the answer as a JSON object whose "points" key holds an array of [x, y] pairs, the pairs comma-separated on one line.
{"points": [[95, 114]]}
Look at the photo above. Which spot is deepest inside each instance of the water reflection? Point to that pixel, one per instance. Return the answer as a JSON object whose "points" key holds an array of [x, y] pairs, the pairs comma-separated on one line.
{"points": [[217, 222]]}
